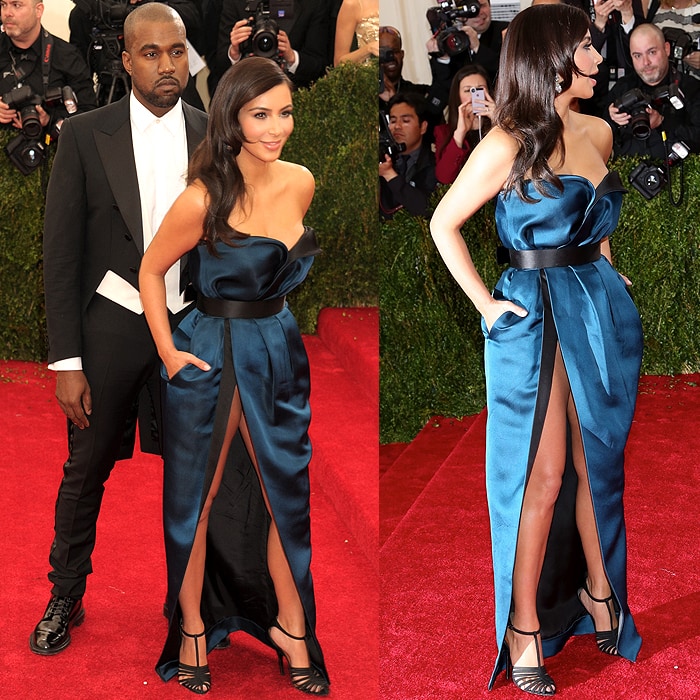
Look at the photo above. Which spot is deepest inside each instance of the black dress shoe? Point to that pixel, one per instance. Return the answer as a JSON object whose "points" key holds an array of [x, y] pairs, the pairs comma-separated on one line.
{"points": [[51, 634]]}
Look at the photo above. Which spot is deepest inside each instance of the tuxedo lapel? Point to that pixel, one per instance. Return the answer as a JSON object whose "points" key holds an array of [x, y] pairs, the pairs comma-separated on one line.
{"points": [[116, 151]]}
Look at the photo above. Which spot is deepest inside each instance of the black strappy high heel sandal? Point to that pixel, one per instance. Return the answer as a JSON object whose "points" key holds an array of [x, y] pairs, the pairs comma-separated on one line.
{"points": [[195, 678], [308, 679], [530, 679], [607, 640]]}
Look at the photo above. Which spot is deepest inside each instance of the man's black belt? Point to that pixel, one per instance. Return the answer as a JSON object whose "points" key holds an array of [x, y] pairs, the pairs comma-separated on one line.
{"points": [[549, 257], [229, 308]]}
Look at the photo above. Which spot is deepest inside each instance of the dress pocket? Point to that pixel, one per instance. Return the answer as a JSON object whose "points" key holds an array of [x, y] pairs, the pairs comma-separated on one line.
{"points": [[505, 321]]}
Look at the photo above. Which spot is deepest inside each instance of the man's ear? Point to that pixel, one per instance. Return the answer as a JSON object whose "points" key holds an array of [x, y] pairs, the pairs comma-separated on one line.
{"points": [[423, 127]]}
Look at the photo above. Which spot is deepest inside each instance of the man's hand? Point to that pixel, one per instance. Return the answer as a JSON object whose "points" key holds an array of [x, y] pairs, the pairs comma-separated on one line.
{"points": [[386, 169], [602, 12], [620, 118], [7, 115], [73, 394], [285, 48], [693, 60], [240, 32]]}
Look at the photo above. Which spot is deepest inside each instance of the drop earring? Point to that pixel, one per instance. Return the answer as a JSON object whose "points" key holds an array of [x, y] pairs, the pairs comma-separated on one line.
{"points": [[557, 84]]}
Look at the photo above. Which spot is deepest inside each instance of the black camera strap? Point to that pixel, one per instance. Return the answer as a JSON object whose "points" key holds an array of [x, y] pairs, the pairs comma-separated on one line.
{"points": [[46, 53]]}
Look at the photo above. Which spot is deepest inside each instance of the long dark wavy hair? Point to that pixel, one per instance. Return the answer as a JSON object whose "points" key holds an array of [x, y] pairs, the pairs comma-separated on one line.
{"points": [[454, 100], [214, 160], [538, 49]]}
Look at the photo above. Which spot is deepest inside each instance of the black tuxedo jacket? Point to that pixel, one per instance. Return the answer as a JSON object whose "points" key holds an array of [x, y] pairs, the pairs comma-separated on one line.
{"points": [[93, 216]]}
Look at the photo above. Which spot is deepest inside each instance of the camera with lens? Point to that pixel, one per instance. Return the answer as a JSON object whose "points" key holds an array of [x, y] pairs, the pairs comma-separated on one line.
{"points": [[682, 44], [386, 54], [388, 146], [263, 39], [443, 20], [635, 103], [649, 179], [27, 149], [24, 101]]}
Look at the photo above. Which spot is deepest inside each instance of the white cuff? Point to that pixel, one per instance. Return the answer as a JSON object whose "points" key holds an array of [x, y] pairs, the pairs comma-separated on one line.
{"points": [[70, 363]]}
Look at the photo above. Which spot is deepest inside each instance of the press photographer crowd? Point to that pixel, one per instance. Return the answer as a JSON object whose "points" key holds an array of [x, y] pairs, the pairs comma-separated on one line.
{"points": [[45, 79], [648, 89]]}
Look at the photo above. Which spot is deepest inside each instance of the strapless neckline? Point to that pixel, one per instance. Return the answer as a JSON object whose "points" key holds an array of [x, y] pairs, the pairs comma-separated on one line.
{"points": [[289, 249]]}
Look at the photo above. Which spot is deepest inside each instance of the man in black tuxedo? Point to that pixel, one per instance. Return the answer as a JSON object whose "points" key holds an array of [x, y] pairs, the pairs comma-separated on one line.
{"points": [[303, 37], [117, 171]]}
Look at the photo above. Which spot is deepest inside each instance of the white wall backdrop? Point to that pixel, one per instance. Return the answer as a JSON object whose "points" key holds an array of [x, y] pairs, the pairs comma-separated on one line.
{"points": [[55, 18]]}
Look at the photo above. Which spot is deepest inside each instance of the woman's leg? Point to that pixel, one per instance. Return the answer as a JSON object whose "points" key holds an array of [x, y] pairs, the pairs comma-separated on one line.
{"points": [[290, 610], [191, 591], [541, 493], [598, 584]]}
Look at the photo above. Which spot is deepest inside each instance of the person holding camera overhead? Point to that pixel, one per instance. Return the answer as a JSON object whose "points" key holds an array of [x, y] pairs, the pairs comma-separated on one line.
{"points": [[655, 98], [301, 27], [485, 37], [61, 73]]}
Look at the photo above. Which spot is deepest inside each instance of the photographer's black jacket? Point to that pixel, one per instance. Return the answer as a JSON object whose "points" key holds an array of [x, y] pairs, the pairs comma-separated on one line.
{"points": [[412, 191], [680, 125], [308, 32], [66, 67]]}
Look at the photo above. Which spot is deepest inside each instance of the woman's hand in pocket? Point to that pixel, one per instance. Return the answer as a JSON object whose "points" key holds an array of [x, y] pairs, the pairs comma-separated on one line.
{"points": [[497, 308], [179, 359]]}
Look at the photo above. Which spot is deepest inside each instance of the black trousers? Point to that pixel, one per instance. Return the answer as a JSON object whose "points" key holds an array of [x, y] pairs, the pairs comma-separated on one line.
{"points": [[121, 365]]}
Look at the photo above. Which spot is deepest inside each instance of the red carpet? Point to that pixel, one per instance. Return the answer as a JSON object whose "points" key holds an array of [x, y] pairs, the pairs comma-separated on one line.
{"points": [[436, 602], [113, 653]]}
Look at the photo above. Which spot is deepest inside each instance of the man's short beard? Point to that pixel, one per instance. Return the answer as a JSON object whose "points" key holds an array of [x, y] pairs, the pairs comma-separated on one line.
{"points": [[161, 101]]}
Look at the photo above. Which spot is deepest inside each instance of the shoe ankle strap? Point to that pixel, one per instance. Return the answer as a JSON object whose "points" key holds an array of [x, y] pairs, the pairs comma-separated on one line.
{"points": [[526, 634], [276, 624], [596, 600], [192, 636]]}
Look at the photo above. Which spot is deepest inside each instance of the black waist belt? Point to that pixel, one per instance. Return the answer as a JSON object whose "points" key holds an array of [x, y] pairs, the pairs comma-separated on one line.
{"points": [[551, 257], [227, 308]]}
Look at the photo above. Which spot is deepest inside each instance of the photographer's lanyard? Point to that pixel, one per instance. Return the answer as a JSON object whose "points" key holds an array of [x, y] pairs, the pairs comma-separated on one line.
{"points": [[46, 51], [21, 71]]}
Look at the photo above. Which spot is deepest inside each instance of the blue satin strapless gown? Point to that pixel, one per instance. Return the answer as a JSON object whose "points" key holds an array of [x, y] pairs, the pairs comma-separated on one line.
{"points": [[589, 312], [265, 359]]}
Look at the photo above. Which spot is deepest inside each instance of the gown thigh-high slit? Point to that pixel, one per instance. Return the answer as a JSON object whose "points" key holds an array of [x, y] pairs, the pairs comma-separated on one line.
{"points": [[257, 350], [586, 311]]}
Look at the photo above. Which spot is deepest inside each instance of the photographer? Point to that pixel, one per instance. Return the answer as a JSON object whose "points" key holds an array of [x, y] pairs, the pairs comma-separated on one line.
{"points": [[302, 37], [655, 102], [30, 56], [485, 39], [407, 180]]}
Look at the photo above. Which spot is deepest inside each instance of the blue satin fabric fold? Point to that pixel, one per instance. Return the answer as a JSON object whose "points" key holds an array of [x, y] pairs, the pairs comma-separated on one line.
{"points": [[599, 332], [266, 360]]}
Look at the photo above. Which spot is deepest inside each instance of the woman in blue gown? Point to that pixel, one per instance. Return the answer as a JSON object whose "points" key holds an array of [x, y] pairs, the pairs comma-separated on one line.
{"points": [[236, 486], [562, 351]]}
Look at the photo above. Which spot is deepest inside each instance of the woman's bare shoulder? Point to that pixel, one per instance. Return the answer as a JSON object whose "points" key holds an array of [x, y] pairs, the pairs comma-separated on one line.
{"points": [[295, 176], [599, 132]]}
